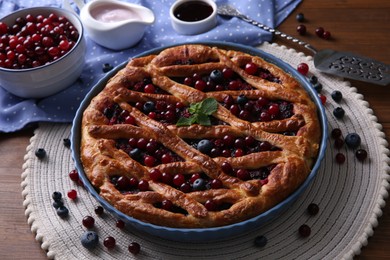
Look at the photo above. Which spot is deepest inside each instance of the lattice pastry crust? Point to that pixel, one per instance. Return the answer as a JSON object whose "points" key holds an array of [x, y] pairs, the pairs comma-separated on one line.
{"points": [[156, 179]]}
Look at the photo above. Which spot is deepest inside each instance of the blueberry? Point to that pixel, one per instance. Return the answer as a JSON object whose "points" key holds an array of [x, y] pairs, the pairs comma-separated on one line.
{"points": [[135, 154], [300, 17], [62, 211], [339, 112], [89, 239], [260, 241], [313, 79], [149, 106], [107, 67], [58, 203], [242, 99], [40, 153], [205, 146], [56, 195], [318, 87], [337, 96], [199, 184], [66, 142], [216, 76], [352, 140]]}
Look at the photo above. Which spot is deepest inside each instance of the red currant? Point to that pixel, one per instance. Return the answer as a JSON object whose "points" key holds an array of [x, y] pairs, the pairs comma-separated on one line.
{"points": [[72, 194], [134, 248], [251, 68], [303, 68], [109, 242]]}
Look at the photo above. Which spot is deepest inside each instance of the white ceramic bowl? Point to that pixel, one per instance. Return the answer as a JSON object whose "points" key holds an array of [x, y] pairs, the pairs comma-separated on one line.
{"points": [[51, 78], [115, 25], [197, 26]]}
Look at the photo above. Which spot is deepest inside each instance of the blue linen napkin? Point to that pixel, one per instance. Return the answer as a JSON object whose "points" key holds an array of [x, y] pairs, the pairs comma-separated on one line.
{"points": [[17, 113]]}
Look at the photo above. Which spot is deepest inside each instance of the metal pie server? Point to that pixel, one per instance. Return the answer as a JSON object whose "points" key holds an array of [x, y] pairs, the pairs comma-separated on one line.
{"points": [[338, 63]]}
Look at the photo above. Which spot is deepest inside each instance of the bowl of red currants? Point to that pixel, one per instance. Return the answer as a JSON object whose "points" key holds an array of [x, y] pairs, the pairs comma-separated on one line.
{"points": [[41, 51]]}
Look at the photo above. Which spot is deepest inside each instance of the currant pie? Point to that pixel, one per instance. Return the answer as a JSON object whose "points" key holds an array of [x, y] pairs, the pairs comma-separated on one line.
{"points": [[198, 136]]}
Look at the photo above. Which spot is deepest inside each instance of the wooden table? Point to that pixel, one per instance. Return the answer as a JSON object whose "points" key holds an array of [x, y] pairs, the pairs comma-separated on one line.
{"points": [[359, 26]]}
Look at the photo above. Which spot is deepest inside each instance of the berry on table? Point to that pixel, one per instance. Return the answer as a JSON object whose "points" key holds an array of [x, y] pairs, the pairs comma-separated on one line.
{"points": [[89, 239], [318, 87], [120, 224], [337, 95], [260, 241], [304, 230], [300, 17], [303, 68], [56, 195], [313, 209], [326, 35], [301, 29], [88, 222], [62, 211], [72, 194], [340, 158], [352, 140], [319, 31], [109, 242], [336, 133], [339, 112], [323, 99], [66, 142], [99, 210], [107, 67], [134, 248], [361, 154], [40, 153], [74, 175]]}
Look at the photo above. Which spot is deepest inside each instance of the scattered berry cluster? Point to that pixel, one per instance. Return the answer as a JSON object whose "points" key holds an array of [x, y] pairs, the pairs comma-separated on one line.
{"points": [[319, 31], [304, 230]]}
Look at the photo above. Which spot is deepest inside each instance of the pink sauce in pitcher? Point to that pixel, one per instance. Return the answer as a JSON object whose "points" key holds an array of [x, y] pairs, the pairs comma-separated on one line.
{"points": [[113, 13]]}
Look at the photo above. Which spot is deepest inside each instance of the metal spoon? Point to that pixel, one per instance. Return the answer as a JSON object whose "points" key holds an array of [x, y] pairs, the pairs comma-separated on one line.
{"points": [[342, 64]]}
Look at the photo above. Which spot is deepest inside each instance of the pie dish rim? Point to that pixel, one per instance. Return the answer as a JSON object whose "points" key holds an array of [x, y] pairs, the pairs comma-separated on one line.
{"points": [[213, 233]]}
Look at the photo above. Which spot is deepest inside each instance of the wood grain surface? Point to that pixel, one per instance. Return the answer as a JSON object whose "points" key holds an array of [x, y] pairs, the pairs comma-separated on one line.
{"points": [[358, 26]]}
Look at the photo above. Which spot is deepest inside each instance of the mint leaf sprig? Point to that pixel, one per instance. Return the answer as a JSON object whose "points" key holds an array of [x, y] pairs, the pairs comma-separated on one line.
{"points": [[200, 113]]}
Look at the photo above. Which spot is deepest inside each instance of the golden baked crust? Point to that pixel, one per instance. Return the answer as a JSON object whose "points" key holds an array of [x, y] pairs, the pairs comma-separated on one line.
{"points": [[274, 173]]}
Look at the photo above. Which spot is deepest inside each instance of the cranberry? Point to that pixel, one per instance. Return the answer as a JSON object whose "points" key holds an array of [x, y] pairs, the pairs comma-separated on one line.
{"points": [[361, 154], [211, 205], [303, 68], [120, 224], [74, 175], [319, 31], [304, 230], [216, 184], [134, 248], [72, 194], [143, 185], [227, 168], [167, 205], [88, 222], [227, 73], [178, 180], [185, 187], [156, 175], [149, 161], [109, 242], [243, 174], [200, 85], [99, 210], [340, 158], [251, 68], [326, 35], [336, 133], [123, 183], [313, 209], [301, 29]]}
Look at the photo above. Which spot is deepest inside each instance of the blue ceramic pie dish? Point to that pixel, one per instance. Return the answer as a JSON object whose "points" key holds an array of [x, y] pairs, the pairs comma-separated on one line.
{"points": [[202, 234]]}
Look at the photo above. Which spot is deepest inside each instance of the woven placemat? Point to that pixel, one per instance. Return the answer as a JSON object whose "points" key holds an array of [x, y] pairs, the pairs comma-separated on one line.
{"points": [[350, 197]]}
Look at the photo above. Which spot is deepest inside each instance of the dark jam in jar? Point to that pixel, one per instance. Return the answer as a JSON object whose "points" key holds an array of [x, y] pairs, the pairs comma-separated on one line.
{"points": [[193, 11]]}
